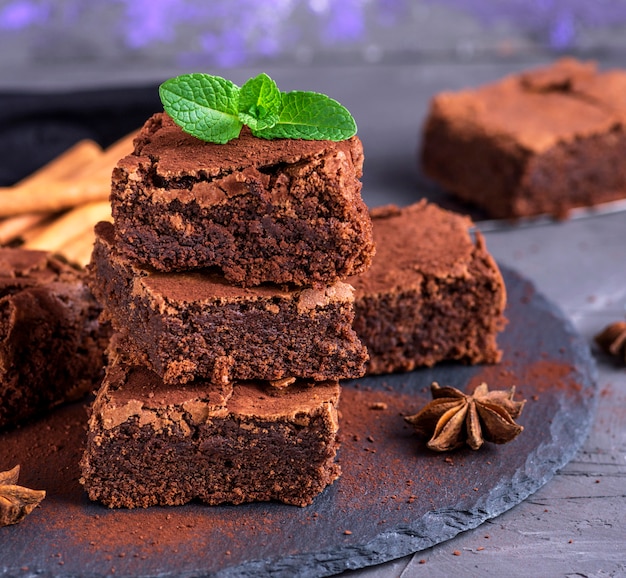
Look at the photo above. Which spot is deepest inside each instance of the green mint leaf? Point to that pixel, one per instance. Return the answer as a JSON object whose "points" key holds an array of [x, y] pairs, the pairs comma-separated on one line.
{"points": [[204, 106], [259, 102], [310, 116]]}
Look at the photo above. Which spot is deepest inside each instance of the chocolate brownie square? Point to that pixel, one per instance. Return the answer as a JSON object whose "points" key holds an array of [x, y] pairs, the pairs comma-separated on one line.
{"points": [[544, 141], [51, 341], [432, 293], [151, 444], [195, 324], [278, 211]]}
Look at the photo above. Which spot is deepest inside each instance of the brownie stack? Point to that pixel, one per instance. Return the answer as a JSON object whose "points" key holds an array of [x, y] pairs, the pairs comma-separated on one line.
{"points": [[222, 276]]}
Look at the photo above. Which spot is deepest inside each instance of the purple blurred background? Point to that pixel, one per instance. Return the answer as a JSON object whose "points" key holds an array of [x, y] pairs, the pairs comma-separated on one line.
{"points": [[47, 42]]}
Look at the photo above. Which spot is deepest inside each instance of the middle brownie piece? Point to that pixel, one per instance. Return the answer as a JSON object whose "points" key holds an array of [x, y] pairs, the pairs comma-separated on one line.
{"points": [[196, 325]]}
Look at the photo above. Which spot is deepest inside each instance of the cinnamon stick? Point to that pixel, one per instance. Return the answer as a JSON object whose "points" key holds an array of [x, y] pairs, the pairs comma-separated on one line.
{"points": [[78, 250], [91, 183], [14, 227], [62, 167], [72, 224]]}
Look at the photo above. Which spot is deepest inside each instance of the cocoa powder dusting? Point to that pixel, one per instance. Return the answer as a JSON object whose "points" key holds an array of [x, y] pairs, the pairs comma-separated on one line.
{"points": [[389, 479]]}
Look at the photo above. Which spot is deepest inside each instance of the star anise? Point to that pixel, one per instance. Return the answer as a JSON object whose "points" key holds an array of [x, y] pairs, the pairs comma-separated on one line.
{"points": [[16, 502], [454, 418], [612, 339]]}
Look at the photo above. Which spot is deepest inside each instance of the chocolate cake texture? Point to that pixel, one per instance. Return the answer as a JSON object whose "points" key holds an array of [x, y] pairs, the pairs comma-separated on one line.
{"points": [[543, 141], [277, 211], [432, 294], [187, 325], [51, 340], [151, 444]]}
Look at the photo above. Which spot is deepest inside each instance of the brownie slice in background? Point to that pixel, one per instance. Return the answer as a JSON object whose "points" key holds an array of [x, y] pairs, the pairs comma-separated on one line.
{"points": [[544, 141], [51, 340], [432, 293]]}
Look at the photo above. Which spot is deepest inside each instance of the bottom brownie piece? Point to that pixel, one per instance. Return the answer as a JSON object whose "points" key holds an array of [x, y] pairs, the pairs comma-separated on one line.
{"points": [[432, 294], [51, 342], [153, 444]]}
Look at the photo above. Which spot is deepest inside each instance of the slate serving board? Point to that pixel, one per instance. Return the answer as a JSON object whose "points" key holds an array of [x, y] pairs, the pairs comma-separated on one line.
{"points": [[395, 497]]}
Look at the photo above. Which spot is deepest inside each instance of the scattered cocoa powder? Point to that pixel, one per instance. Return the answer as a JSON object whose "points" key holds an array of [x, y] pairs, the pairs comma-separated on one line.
{"points": [[404, 482]]}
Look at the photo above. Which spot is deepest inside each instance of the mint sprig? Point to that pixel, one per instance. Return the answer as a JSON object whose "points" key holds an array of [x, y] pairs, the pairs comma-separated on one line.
{"points": [[204, 106], [214, 109], [259, 102], [312, 116]]}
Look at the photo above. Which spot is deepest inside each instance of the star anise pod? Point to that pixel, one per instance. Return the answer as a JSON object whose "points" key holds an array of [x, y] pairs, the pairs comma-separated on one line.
{"points": [[454, 418], [16, 502], [612, 339]]}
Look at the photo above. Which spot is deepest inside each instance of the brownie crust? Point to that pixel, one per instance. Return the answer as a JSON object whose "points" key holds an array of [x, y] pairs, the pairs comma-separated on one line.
{"points": [[541, 142], [432, 294], [150, 444], [51, 341], [195, 324], [279, 211]]}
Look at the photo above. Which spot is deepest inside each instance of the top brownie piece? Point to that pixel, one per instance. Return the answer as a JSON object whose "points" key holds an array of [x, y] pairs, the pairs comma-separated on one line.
{"points": [[279, 211], [544, 141]]}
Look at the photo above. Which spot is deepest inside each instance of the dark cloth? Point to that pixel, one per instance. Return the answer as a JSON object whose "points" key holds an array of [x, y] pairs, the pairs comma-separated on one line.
{"points": [[36, 127]]}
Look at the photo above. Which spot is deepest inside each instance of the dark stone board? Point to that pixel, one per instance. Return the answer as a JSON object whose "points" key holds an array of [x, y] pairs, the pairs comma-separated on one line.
{"points": [[394, 497]]}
